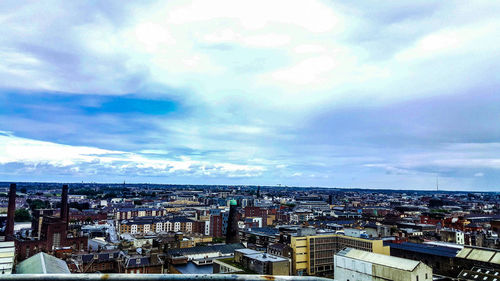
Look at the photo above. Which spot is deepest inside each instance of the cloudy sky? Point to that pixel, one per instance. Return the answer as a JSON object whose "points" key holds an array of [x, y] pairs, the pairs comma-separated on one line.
{"points": [[309, 93]]}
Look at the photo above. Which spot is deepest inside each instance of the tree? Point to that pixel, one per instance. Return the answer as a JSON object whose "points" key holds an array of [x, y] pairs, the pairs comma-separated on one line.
{"points": [[37, 204], [252, 239], [22, 215]]}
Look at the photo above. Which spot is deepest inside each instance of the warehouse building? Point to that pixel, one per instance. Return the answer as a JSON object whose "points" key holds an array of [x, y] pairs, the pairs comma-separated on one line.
{"points": [[353, 264]]}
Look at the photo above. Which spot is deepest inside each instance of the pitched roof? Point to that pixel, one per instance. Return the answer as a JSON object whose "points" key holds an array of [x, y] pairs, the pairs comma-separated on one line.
{"points": [[224, 249], [394, 262], [42, 263]]}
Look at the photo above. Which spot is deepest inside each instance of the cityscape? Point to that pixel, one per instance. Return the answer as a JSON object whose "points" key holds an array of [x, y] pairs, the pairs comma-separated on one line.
{"points": [[82, 228], [232, 140]]}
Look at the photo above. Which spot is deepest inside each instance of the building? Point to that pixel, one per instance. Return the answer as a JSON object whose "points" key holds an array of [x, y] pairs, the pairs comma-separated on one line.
{"points": [[353, 264], [42, 263], [7, 252], [257, 212], [251, 261], [104, 261], [260, 238], [149, 264], [312, 255], [131, 213], [53, 233], [453, 236], [480, 274], [448, 260], [202, 253], [145, 225], [281, 250], [441, 258], [218, 222], [266, 264]]}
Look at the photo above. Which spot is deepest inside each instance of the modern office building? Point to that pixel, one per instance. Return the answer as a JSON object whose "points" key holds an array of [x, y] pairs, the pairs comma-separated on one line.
{"points": [[313, 255]]}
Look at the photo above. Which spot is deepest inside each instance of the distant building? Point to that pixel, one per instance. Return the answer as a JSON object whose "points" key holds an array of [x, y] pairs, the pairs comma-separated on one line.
{"points": [[156, 224], [353, 264], [131, 213], [453, 236]]}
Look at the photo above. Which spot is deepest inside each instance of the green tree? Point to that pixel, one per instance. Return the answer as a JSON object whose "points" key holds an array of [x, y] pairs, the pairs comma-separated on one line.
{"points": [[37, 204], [22, 215], [252, 239]]}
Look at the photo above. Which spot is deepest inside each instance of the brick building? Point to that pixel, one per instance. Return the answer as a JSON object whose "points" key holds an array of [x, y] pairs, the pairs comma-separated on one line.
{"points": [[52, 232]]}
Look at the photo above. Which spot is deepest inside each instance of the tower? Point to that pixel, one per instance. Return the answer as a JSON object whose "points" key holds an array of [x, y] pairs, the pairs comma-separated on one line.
{"points": [[11, 212], [232, 234], [64, 205]]}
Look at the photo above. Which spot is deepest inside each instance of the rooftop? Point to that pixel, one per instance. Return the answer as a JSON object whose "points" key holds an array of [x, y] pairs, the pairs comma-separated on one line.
{"points": [[394, 262], [42, 263]]}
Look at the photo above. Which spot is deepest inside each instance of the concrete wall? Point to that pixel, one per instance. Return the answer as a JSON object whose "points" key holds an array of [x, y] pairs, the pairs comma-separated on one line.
{"points": [[350, 269]]}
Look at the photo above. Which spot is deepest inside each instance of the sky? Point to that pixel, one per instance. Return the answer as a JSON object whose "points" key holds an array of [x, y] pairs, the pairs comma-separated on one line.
{"points": [[364, 94]]}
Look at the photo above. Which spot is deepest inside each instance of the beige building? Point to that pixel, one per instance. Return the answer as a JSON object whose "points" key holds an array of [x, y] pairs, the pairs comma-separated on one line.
{"points": [[143, 225], [313, 255], [352, 264]]}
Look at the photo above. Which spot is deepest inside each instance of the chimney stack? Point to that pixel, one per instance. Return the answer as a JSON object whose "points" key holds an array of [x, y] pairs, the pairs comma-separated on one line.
{"points": [[64, 205], [232, 233], [11, 212]]}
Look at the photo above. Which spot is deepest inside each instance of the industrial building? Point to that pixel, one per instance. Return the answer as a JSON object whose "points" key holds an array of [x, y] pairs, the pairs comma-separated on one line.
{"points": [[353, 264], [53, 231]]}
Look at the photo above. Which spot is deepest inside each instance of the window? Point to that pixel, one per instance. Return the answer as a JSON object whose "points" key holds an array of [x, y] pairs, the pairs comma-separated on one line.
{"points": [[56, 240], [417, 277]]}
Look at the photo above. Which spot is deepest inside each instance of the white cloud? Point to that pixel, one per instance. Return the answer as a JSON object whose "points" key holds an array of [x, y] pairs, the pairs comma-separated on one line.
{"points": [[308, 52], [84, 160]]}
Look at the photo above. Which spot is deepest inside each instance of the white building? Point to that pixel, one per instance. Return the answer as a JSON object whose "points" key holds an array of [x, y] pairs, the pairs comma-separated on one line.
{"points": [[356, 265], [7, 250]]}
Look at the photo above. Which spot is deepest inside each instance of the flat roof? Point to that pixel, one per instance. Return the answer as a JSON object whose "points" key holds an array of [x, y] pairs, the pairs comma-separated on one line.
{"points": [[265, 257]]}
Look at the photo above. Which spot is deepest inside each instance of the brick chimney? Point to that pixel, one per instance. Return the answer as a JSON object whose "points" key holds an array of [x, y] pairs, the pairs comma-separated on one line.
{"points": [[11, 211], [64, 205]]}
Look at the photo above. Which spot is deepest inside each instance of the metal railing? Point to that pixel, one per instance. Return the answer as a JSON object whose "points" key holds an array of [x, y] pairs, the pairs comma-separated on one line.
{"points": [[155, 277]]}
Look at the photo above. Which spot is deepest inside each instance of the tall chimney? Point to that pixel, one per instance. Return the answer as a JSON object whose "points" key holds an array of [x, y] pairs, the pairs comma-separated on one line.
{"points": [[64, 205], [232, 233], [11, 212]]}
